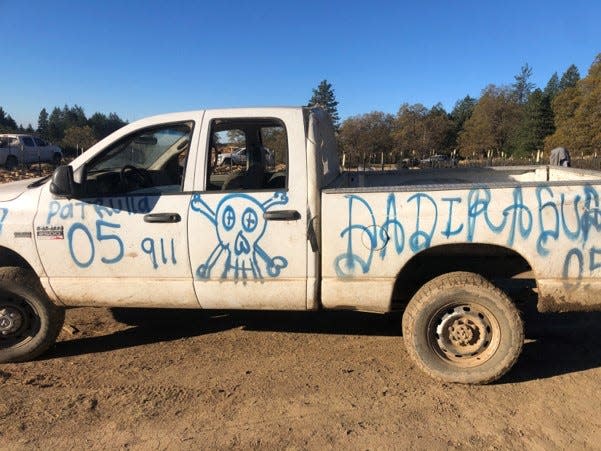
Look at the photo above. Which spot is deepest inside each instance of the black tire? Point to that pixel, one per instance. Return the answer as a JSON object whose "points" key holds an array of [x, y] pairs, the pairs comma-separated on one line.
{"points": [[11, 163], [56, 159], [227, 162], [459, 327], [29, 322]]}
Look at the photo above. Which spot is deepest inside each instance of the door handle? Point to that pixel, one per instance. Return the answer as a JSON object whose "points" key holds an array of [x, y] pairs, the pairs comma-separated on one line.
{"points": [[162, 217], [282, 215]]}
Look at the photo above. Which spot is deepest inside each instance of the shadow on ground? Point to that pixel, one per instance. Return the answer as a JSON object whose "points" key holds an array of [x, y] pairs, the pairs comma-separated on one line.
{"points": [[161, 325], [556, 343], [561, 343]]}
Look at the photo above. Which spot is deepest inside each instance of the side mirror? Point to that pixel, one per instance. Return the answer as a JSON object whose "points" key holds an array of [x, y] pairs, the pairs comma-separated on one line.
{"points": [[62, 182]]}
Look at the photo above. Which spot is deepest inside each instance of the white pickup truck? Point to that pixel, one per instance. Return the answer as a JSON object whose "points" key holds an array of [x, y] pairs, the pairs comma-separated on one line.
{"points": [[145, 219], [18, 149]]}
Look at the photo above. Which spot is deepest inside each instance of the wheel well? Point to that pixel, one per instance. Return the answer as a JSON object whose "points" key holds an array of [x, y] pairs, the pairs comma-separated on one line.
{"points": [[499, 264], [8, 257]]}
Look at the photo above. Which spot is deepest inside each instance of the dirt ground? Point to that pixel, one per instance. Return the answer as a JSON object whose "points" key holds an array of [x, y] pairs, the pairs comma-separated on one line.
{"points": [[153, 379]]}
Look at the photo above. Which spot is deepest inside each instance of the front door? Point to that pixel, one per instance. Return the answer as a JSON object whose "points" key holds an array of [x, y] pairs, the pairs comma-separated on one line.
{"points": [[247, 221], [124, 240]]}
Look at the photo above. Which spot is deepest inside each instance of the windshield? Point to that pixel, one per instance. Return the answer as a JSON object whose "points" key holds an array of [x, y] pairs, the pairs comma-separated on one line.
{"points": [[144, 150]]}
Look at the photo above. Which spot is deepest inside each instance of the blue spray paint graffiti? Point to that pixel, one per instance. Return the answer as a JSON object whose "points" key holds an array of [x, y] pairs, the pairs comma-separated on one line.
{"points": [[150, 247], [106, 233], [545, 222], [3, 215], [239, 225], [100, 236], [102, 207]]}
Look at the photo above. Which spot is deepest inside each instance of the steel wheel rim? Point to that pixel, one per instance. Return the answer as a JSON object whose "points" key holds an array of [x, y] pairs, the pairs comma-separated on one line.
{"points": [[465, 334], [19, 322]]}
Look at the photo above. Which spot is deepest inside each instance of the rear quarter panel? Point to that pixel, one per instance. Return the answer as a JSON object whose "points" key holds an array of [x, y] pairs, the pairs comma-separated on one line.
{"points": [[370, 234]]}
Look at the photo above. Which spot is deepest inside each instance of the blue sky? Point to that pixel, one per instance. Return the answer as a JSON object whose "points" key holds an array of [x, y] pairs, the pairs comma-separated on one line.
{"points": [[139, 58]]}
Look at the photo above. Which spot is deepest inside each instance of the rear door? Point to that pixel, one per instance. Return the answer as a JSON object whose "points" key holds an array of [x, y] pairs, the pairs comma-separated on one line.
{"points": [[247, 222], [29, 152]]}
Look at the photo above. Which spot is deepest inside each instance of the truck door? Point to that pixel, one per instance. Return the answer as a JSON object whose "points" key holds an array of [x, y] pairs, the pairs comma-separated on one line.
{"points": [[43, 149], [247, 222], [124, 240]]}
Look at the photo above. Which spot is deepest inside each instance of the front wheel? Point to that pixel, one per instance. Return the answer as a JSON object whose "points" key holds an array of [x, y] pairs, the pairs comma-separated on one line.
{"points": [[29, 322], [459, 327], [56, 159]]}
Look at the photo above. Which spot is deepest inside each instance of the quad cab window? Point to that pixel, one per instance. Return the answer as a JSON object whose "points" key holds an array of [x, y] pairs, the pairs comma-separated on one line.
{"points": [[247, 154], [149, 161]]}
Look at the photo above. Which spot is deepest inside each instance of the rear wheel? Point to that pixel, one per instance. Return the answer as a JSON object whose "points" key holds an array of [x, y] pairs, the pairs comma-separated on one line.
{"points": [[11, 163], [461, 328], [29, 322]]}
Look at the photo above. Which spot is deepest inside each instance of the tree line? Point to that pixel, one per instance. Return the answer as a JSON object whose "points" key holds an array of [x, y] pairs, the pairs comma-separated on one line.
{"points": [[67, 127], [517, 120]]}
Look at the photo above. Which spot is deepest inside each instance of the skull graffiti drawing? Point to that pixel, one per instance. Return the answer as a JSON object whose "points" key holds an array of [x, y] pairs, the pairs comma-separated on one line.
{"points": [[239, 225]]}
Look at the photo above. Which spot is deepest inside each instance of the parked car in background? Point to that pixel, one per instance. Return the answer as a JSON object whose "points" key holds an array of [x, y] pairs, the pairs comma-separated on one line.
{"points": [[410, 163], [16, 149], [238, 157], [439, 161]]}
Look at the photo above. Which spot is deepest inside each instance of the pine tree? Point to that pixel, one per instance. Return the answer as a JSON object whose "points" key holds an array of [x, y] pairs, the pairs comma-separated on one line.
{"points": [[43, 124], [324, 97], [537, 124], [56, 125], [462, 111], [569, 78], [7, 123], [522, 86], [552, 87]]}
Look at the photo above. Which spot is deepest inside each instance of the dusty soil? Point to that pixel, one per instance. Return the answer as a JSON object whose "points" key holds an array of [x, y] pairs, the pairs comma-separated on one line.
{"points": [[154, 379], [190, 379]]}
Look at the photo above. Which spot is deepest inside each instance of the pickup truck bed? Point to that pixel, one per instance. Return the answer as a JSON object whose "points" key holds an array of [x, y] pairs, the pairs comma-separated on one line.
{"points": [[442, 177]]}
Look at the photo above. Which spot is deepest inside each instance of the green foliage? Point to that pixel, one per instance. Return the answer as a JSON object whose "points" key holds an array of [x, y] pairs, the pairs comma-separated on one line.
{"points": [[552, 88], [366, 134], [103, 125], [462, 111], [522, 86], [79, 137], [536, 125], [43, 126], [569, 78], [7, 123], [61, 119], [420, 132], [324, 97], [493, 123], [578, 114]]}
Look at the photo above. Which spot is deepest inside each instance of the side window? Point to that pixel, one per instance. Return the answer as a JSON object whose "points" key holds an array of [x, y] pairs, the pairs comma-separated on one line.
{"points": [[247, 154], [147, 161], [40, 142], [27, 141]]}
